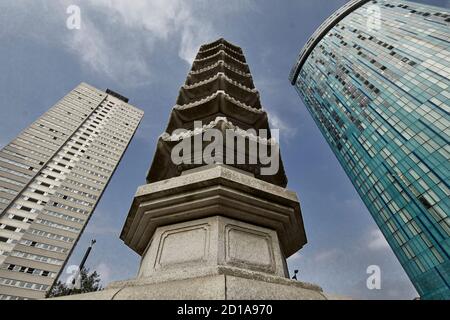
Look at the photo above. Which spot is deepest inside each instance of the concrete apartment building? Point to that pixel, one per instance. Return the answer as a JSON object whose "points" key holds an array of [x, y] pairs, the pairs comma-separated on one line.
{"points": [[52, 176]]}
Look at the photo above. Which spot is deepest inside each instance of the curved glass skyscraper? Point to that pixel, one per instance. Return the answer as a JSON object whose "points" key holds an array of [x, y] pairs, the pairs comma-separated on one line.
{"points": [[375, 78]]}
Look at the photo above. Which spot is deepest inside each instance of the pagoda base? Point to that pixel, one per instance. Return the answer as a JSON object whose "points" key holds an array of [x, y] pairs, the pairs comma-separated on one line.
{"points": [[212, 233], [209, 283]]}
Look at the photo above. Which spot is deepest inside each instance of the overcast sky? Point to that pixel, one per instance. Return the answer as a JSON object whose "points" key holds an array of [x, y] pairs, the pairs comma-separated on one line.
{"points": [[143, 50]]}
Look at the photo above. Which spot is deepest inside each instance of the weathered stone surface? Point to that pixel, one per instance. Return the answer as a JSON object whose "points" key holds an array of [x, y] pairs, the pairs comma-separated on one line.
{"points": [[218, 103], [220, 55], [216, 283], [219, 82], [221, 46], [213, 241], [221, 41], [228, 153], [196, 76]]}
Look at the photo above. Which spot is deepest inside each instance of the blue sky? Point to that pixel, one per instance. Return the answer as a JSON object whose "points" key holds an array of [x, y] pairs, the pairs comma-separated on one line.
{"points": [[143, 50]]}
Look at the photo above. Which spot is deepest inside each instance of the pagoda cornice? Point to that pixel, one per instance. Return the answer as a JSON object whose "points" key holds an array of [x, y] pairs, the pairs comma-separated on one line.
{"points": [[221, 51], [212, 96], [226, 65], [217, 76], [219, 122], [220, 66], [191, 93], [217, 48], [162, 166], [210, 45], [221, 55], [218, 103]]}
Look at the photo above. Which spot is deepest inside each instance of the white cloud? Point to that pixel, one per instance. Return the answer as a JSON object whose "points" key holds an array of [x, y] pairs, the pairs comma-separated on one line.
{"points": [[192, 37], [269, 87], [326, 255], [118, 38], [89, 44], [189, 22], [161, 20], [102, 228], [321, 256], [377, 241], [277, 122], [104, 271]]}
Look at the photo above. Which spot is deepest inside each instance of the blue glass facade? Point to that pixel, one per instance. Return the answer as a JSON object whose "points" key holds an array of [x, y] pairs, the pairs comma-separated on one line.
{"points": [[375, 78]]}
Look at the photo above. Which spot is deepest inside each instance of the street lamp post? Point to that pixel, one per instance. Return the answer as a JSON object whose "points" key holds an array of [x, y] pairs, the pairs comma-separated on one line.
{"points": [[88, 251], [86, 254]]}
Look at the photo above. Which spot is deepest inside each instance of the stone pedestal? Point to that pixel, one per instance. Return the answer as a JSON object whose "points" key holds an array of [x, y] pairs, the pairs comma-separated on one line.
{"points": [[207, 283], [214, 233], [213, 242]]}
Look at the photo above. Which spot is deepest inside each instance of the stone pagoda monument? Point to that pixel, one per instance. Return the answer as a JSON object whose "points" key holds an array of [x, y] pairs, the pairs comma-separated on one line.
{"points": [[215, 220]]}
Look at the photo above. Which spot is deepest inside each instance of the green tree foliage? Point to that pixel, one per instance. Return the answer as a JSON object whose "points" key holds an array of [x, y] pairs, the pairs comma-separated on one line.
{"points": [[90, 282]]}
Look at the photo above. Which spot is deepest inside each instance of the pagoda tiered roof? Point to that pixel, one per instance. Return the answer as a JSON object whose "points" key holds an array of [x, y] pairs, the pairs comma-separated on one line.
{"points": [[221, 41], [220, 55], [219, 92], [221, 46], [219, 82], [245, 78]]}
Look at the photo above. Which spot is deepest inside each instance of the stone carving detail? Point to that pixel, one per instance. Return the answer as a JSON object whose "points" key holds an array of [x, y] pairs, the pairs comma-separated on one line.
{"points": [[218, 86], [211, 242], [172, 243], [257, 253]]}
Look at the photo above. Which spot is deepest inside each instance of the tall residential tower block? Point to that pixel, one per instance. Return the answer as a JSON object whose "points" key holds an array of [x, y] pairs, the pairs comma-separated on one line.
{"points": [[51, 179], [375, 77]]}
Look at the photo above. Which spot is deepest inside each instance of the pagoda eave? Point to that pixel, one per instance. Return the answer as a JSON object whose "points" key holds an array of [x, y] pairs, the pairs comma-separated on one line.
{"points": [[163, 166], [220, 66]]}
